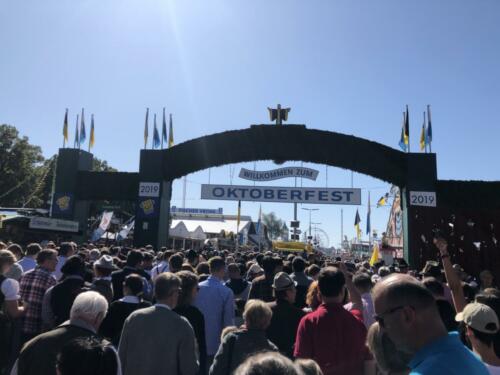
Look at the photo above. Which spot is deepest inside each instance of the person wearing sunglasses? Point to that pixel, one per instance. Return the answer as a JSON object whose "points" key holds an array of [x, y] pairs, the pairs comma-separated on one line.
{"points": [[406, 311]]}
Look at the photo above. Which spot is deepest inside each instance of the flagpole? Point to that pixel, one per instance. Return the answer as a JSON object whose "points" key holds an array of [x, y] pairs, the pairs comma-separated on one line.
{"points": [[79, 134], [407, 126], [162, 125], [77, 124], [425, 135], [153, 137], [341, 228], [90, 134], [370, 218], [429, 119]]}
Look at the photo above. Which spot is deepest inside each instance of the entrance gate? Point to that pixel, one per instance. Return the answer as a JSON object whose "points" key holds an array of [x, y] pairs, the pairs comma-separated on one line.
{"points": [[151, 186]]}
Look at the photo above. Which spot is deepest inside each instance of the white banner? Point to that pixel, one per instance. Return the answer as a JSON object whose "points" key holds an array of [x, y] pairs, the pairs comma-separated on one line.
{"points": [[106, 220], [281, 194], [279, 173], [53, 224]]}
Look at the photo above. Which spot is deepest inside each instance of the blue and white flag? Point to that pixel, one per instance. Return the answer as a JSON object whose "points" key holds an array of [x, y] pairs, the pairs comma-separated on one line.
{"points": [[103, 226], [127, 227]]}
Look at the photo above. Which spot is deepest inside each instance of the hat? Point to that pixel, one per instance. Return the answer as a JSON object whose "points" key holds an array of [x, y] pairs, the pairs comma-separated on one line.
{"points": [[283, 281], [480, 317], [106, 262], [431, 269], [255, 268]]}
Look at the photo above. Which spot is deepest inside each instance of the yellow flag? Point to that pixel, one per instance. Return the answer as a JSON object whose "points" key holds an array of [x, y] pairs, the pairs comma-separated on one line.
{"points": [[92, 136], [422, 139], [65, 127], [170, 133], [146, 129], [375, 255]]}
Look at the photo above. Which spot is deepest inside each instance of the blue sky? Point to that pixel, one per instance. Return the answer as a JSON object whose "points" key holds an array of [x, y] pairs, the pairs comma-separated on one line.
{"points": [[349, 66]]}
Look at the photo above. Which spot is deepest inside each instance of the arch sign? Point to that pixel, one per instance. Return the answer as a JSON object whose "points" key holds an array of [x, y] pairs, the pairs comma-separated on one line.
{"points": [[276, 174], [281, 194]]}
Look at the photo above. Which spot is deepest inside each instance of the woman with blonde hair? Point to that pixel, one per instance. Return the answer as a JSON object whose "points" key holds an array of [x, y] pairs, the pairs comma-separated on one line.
{"points": [[312, 298], [237, 346]]}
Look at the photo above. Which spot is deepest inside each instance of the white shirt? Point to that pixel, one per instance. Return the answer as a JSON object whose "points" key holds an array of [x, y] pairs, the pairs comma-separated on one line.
{"points": [[60, 262], [368, 310], [130, 299], [163, 305], [10, 289]]}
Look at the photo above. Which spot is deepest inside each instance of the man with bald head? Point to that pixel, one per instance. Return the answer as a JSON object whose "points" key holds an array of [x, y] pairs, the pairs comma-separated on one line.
{"points": [[408, 313]]}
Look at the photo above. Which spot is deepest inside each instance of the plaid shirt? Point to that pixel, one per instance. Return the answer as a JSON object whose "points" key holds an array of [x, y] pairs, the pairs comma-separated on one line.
{"points": [[33, 286]]}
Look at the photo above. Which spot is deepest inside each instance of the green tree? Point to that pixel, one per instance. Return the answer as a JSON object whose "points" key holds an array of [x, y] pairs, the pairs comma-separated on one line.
{"points": [[20, 169], [99, 165], [276, 227], [26, 177]]}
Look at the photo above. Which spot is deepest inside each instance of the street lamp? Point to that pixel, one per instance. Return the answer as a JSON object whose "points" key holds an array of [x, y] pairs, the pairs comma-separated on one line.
{"points": [[310, 210]]}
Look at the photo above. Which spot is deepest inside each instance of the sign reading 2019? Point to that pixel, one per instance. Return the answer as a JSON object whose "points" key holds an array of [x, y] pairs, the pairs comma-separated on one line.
{"points": [[281, 194]]}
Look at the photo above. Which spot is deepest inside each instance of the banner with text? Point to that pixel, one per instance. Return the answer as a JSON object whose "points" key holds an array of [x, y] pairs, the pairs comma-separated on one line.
{"points": [[276, 174], [281, 194]]}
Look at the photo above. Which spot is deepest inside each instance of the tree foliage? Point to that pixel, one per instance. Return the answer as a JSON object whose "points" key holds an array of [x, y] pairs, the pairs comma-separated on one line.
{"points": [[276, 227], [20, 168], [26, 177]]}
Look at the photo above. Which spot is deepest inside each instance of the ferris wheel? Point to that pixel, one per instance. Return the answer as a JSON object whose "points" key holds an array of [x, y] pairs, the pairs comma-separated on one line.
{"points": [[320, 238]]}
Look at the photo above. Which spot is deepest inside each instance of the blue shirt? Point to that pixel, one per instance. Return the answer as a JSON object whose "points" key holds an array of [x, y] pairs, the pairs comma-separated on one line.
{"points": [[445, 356], [216, 302]]}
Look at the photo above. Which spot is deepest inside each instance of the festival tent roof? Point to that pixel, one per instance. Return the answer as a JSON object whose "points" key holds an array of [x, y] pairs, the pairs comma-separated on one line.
{"points": [[198, 234], [211, 226], [179, 230]]}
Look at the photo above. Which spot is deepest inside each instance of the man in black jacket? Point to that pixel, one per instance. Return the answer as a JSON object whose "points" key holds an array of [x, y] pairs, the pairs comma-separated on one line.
{"points": [[133, 265], [286, 316]]}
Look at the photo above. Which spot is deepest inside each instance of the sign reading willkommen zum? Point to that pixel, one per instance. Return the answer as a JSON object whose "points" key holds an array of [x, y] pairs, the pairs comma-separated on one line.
{"points": [[276, 174], [282, 194]]}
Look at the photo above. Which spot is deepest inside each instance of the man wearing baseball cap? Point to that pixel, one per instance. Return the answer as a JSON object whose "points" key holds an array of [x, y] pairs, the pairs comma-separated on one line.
{"points": [[286, 316], [482, 326]]}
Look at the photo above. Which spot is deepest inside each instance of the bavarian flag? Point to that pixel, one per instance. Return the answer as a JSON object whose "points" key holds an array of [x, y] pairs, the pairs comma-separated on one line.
{"points": [[83, 134], [156, 135], [357, 221], [65, 127], [375, 254], [76, 143]]}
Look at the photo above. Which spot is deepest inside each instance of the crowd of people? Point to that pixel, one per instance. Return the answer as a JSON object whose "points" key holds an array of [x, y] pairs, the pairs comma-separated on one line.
{"points": [[71, 309]]}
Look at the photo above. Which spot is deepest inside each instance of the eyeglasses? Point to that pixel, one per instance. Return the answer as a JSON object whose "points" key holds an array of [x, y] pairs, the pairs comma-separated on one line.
{"points": [[380, 318]]}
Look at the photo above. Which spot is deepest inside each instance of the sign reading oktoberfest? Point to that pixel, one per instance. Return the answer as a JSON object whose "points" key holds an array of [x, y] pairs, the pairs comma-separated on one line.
{"points": [[276, 174], [281, 194]]}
